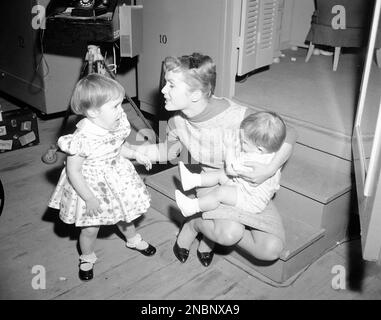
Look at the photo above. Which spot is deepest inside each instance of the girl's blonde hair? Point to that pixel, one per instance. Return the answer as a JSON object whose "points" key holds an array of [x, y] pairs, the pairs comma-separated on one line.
{"points": [[199, 71], [266, 129], [93, 91]]}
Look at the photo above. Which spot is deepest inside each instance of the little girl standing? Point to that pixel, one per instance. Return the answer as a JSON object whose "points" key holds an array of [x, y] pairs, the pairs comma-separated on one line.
{"points": [[99, 185]]}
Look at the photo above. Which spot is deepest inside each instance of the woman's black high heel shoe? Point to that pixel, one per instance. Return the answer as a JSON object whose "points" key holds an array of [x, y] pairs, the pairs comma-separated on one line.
{"points": [[205, 257], [180, 253]]}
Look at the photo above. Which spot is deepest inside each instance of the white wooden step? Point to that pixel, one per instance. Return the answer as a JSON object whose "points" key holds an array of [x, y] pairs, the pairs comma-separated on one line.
{"points": [[301, 238], [314, 201], [317, 175], [316, 188]]}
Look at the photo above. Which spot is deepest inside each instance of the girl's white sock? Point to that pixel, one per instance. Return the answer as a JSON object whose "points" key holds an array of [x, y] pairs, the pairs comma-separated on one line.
{"points": [[137, 242], [188, 179], [187, 206]]}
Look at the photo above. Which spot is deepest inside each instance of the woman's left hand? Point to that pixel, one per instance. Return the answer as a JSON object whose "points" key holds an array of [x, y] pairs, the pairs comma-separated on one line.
{"points": [[259, 174]]}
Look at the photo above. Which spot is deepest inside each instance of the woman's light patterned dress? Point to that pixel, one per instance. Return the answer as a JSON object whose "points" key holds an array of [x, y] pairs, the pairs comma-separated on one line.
{"points": [[112, 178]]}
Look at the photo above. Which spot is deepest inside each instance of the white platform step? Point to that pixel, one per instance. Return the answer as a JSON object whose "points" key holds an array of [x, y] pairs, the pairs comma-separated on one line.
{"points": [[314, 201]]}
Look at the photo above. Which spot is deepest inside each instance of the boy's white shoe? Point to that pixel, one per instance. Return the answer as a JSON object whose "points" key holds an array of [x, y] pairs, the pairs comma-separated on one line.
{"points": [[187, 206], [188, 179]]}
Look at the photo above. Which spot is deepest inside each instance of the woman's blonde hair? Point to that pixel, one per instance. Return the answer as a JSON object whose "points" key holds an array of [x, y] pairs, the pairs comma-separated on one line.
{"points": [[266, 129], [93, 91], [199, 71]]}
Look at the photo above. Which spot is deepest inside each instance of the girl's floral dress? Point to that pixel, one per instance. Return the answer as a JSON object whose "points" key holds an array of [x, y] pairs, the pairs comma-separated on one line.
{"points": [[111, 177]]}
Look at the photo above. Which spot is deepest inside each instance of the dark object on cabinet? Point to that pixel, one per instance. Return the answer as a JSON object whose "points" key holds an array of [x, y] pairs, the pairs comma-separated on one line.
{"points": [[83, 25]]}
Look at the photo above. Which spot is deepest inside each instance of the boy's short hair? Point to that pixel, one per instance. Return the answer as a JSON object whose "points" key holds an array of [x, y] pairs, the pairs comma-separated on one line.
{"points": [[93, 91], [199, 71], [266, 129]]}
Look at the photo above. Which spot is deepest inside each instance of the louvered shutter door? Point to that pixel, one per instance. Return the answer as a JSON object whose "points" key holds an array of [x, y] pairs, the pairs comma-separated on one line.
{"points": [[258, 21]]}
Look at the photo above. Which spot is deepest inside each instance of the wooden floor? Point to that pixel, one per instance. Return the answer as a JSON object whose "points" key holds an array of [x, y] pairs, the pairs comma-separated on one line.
{"points": [[31, 235]]}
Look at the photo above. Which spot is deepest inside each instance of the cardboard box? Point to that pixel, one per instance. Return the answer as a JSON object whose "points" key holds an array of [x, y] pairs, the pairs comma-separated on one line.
{"points": [[18, 129]]}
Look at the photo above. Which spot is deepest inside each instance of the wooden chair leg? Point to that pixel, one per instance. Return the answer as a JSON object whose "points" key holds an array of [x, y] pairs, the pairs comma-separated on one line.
{"points": [[336, 58], [310, 51]]}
